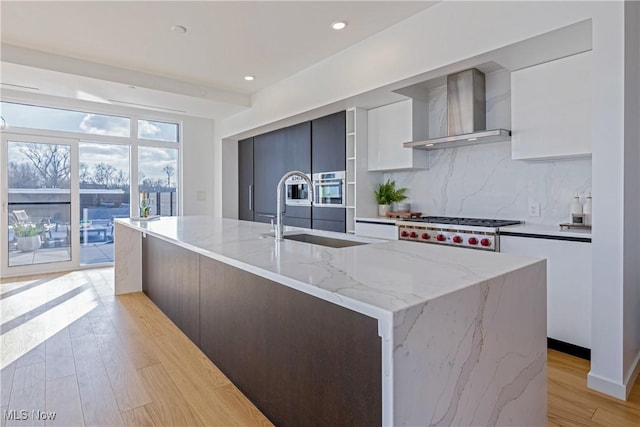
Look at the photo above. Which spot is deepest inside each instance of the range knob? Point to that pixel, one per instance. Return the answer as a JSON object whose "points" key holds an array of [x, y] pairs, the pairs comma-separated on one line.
{"points": [[413, 235], [473, 241], [441, 237], [457, 239], [425, 236], [404, 233], [485, 242]]}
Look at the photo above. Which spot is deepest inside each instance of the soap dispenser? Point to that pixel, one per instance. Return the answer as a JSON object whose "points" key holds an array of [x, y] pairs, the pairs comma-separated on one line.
{"points": [[576, 215], [586, 210]]}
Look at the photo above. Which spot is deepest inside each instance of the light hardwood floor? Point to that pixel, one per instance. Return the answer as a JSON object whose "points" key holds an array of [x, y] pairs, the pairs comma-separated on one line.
{"points": [[69, 346]]}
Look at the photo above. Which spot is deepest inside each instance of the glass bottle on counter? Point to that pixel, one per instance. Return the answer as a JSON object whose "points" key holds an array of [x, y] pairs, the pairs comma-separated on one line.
{"points": [[144, 205]]}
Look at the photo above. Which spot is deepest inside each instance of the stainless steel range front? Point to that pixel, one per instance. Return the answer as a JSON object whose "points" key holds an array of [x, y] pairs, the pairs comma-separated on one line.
{"points": [[473, 233]]}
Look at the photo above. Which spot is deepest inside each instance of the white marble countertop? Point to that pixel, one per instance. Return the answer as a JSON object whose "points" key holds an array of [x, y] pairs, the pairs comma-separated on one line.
{"points": [[378, 219], [546, 230], [376, 279]]}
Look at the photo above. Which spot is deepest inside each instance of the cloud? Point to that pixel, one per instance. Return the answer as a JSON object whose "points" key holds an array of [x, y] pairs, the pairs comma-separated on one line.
{"points": [[147, 129], [105, 125]]}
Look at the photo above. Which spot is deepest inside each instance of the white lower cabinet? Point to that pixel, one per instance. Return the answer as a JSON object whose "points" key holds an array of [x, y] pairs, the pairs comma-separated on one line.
{"points": [[379, 231], [568, 284]]}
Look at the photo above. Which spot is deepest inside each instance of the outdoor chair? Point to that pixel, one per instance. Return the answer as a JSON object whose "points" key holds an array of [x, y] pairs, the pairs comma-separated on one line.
{"points": [[43, 226]]}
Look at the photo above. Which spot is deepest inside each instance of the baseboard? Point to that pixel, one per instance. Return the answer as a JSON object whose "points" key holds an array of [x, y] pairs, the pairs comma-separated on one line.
{"points": [[620, 391], [633, 375], [572, 349], [606, 386]]}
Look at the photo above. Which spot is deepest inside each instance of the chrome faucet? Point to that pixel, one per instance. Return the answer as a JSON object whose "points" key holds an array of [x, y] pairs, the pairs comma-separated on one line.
{"points": [[286, 176]]}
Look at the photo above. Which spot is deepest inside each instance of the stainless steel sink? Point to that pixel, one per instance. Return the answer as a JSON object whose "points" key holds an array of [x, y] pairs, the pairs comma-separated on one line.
{"points": [[322, 240]]}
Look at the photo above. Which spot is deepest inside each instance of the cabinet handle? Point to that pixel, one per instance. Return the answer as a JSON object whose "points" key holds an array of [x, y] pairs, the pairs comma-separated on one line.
{"points": [[250, 197]]}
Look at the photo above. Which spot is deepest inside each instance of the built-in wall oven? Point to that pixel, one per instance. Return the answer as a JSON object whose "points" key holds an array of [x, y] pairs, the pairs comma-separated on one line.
{"points": [[329, 189], [297, 191]]}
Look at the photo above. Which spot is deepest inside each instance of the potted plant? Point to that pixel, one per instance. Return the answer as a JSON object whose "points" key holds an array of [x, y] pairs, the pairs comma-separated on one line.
{"points": [[386, 194], [27, 237]]}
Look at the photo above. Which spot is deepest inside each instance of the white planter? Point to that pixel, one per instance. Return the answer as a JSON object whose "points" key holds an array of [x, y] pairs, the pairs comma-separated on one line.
{"points": [[383, 209], [28, 244]]}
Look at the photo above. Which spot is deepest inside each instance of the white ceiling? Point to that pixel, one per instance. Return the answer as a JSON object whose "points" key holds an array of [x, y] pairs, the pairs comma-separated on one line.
{"points": [[98, 50]]}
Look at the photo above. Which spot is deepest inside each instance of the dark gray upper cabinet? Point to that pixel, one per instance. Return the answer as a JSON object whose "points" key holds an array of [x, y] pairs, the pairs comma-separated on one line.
{"points": [[276, 153], [328, 136], [245, 180]]}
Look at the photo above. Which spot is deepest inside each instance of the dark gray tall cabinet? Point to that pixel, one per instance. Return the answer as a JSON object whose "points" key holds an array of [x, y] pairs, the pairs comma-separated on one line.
{"points": [[245, 180], [313, 146], [328, 154], [276, 153]]}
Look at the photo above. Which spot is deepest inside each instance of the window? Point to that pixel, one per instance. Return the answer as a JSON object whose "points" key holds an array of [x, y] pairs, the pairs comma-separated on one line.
{"points": [[157, 131], [158, 179], [33, 117]]}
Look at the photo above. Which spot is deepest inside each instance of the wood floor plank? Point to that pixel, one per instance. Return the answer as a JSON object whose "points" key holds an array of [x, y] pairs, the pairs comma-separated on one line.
{"points": [[80, 327], [99, 404], [607, 416], [168, 406], [28, 393], [197, 382], [151, 321], [138, 417], [6, 383], [125, 380], [37, 355], [63, 398], [245, 413], [59, 356], [570, 401]]}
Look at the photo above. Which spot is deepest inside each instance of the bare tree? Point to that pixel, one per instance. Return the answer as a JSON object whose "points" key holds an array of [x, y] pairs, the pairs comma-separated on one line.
{"points": [[23, 175], [103, 174], [168, 169], [51, 162], [85, 174]]}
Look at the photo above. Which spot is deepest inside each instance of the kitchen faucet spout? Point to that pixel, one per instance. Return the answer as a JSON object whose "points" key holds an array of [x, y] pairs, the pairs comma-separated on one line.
{"points": [[279, 227]]}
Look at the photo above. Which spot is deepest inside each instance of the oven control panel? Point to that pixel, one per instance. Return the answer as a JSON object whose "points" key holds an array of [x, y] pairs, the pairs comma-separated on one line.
{"points": [[451, 236]]}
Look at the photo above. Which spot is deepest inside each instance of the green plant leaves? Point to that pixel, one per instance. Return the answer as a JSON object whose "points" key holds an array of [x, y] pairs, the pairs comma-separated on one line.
{"points": [[386, 193]]}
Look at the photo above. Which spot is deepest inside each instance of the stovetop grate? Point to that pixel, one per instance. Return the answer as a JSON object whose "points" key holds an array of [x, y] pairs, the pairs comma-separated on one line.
{"points": [[478, 222]]}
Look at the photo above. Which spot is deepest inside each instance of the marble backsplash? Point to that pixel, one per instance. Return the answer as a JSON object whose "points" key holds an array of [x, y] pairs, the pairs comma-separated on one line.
{"points": [[483, 181]]}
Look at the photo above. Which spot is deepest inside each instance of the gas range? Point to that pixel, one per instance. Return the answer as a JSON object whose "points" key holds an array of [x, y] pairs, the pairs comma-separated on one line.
{"points": [[473, 233]]}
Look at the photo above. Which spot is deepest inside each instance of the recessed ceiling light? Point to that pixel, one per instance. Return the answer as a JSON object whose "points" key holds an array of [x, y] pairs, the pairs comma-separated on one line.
{"points": [[249, 78], [339, 25], [179, 29]]}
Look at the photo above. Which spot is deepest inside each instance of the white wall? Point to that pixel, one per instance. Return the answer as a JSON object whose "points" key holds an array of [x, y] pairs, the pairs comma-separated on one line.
{"points": [[416, 46], [198, 166], [632, 188]]}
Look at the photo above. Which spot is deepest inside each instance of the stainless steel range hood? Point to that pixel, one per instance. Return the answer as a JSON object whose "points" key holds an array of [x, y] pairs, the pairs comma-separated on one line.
{"points": [[466, 114]]}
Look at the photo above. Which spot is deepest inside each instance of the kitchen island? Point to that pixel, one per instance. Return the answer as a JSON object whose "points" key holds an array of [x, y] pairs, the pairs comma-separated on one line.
{"points": [[389, 332]]}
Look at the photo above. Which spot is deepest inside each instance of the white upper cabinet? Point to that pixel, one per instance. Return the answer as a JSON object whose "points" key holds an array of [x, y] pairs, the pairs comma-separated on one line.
{"points": [[389, 127], [551, 109]]}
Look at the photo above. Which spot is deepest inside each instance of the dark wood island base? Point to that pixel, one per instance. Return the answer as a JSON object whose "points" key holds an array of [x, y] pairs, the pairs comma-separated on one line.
{"points": [[301, 360]]}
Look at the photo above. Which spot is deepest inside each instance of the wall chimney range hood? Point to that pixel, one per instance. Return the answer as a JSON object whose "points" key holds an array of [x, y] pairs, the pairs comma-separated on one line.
{"points": [[466, 115]]}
